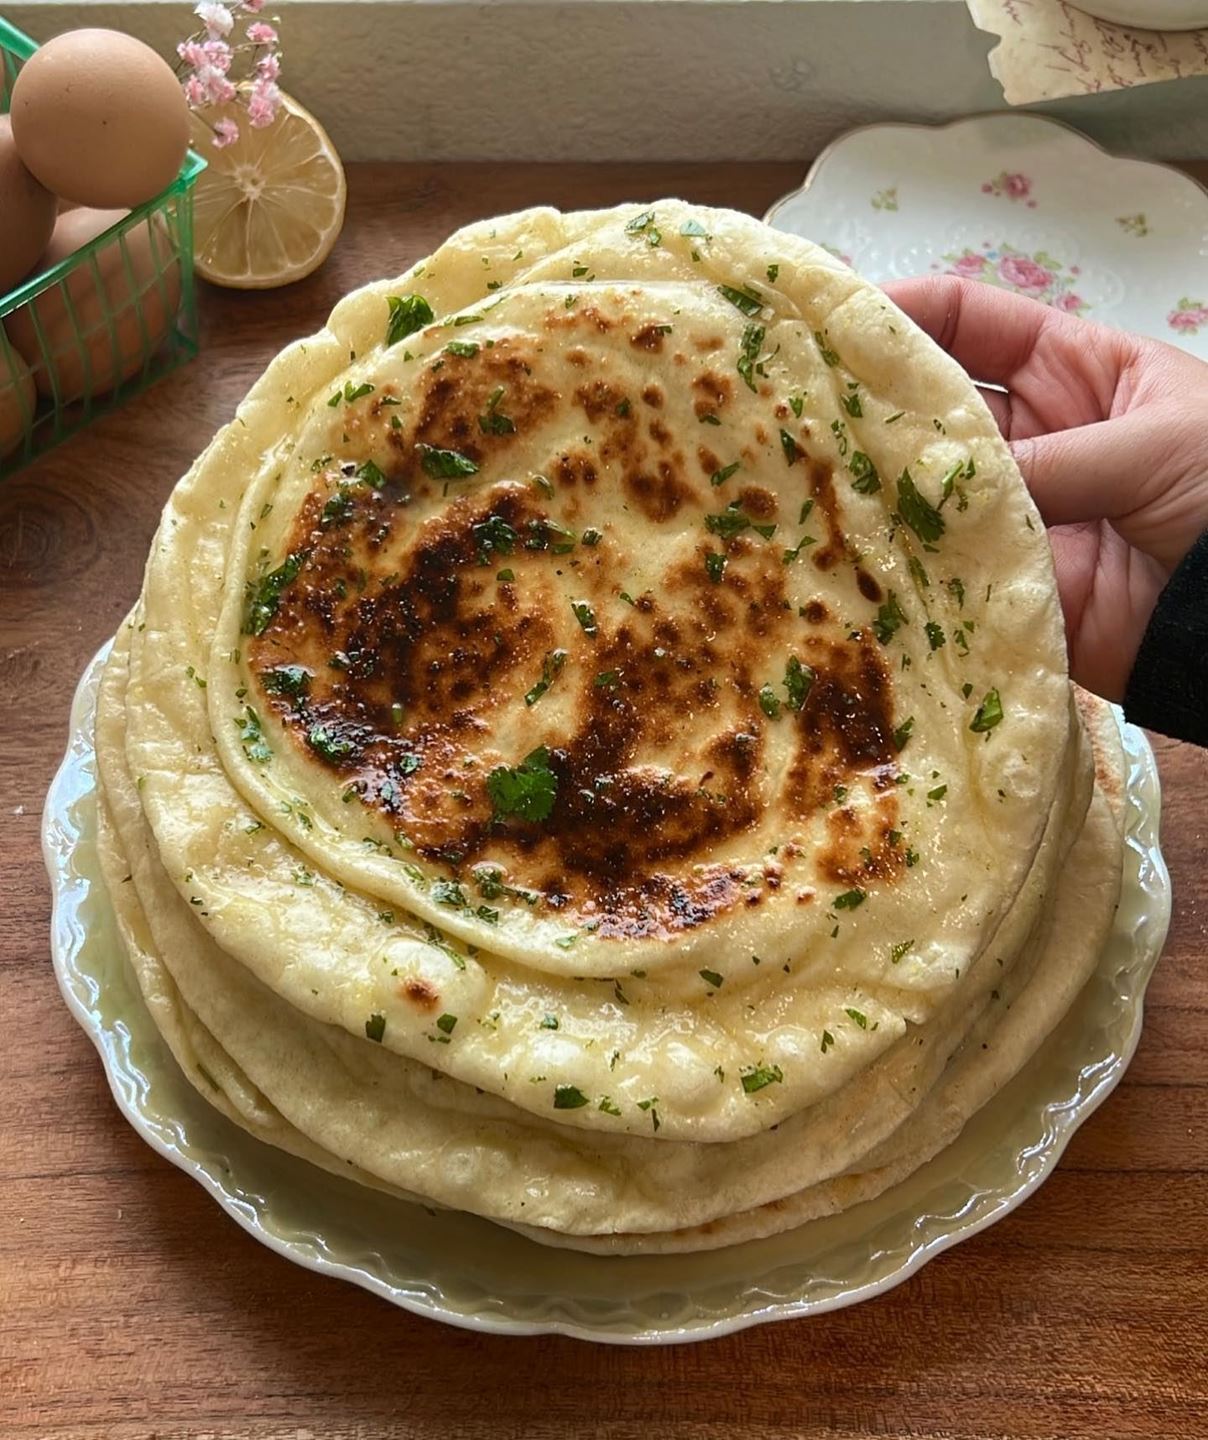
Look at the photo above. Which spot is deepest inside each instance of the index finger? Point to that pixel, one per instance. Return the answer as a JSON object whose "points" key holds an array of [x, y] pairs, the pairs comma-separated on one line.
{"points": [[995, 334]]}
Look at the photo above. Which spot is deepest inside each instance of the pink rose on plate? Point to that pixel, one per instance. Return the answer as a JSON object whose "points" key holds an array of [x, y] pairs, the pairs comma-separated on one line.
{"points": [[1017, 186], [1069, 302], [969, 265], [1189, 319], [1024, 274]]}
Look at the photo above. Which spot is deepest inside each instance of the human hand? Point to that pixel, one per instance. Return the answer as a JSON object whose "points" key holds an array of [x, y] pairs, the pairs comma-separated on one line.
{"points": [[1110, 432]]}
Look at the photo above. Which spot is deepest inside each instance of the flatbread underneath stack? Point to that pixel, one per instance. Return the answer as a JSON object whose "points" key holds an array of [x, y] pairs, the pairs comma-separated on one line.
{"points": [[653, 1017]]}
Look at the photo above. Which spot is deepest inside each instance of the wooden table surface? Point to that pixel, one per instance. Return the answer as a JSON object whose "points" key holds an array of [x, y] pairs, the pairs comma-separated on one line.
{"points": [[130, 1306]]}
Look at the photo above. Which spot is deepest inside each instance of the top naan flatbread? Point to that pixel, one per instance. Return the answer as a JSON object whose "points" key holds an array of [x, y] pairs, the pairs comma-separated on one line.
{"points": [[634, 683]]}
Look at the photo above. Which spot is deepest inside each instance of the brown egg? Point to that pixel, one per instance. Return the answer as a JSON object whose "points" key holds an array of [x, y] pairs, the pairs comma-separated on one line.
{"points": [[27, 213], [100, 119], [17, 398], [111, 327]]}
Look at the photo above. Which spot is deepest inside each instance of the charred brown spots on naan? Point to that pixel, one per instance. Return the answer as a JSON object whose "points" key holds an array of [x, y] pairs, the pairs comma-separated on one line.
{"points": [[704, 692], [668, 630], [759, 586], [650, 338], [846, 733], [712, 392], [580, 317], [865, 847], [385, 399], [736, 753], [399, 662], [623, 848], [599, 401], [868, 586], [574, 467], [750, 597], [618, 821], [713, 604], [821, 480], [655, 483], [456, 391], [758, 503], [420, 640], [845, 727], [659, 489], [421, 993]]}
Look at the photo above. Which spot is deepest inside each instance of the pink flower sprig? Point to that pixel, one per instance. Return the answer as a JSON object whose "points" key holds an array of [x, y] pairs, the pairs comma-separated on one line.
{"points": [[230, 61]]}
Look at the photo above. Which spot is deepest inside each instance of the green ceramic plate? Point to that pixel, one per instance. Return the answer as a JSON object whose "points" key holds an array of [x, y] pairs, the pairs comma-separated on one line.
{"points": [[468, 1272]]}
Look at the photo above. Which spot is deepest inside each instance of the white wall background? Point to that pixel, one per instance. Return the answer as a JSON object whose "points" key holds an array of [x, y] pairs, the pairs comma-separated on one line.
{"points": [[640, 79]]}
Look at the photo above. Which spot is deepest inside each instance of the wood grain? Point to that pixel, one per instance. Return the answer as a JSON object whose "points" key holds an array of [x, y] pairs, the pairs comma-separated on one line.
{"points": [[131, 1307]]}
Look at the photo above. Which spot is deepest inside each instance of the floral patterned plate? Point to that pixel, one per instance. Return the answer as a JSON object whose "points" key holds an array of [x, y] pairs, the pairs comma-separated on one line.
{"points": [[1021, 202]]}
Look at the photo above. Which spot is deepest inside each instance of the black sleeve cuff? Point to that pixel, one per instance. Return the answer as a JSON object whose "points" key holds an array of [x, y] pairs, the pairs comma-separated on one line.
{"points": [[1168, 688]]}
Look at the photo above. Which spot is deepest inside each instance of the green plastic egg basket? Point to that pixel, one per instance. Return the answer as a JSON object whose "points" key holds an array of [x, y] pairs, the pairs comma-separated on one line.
{"points": [[121, 309]]}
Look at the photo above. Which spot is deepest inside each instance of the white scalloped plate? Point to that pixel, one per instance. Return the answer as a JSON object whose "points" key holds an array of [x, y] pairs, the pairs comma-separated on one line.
{"points": [[1021, 202], [470, 1273]]}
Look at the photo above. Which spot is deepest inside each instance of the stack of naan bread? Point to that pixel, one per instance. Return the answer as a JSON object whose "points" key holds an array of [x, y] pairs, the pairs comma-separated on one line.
{"points": [[594, 747]]}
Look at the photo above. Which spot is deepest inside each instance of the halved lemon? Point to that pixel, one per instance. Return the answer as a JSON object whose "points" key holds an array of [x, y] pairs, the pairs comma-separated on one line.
{"points": [[269, 207]]}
